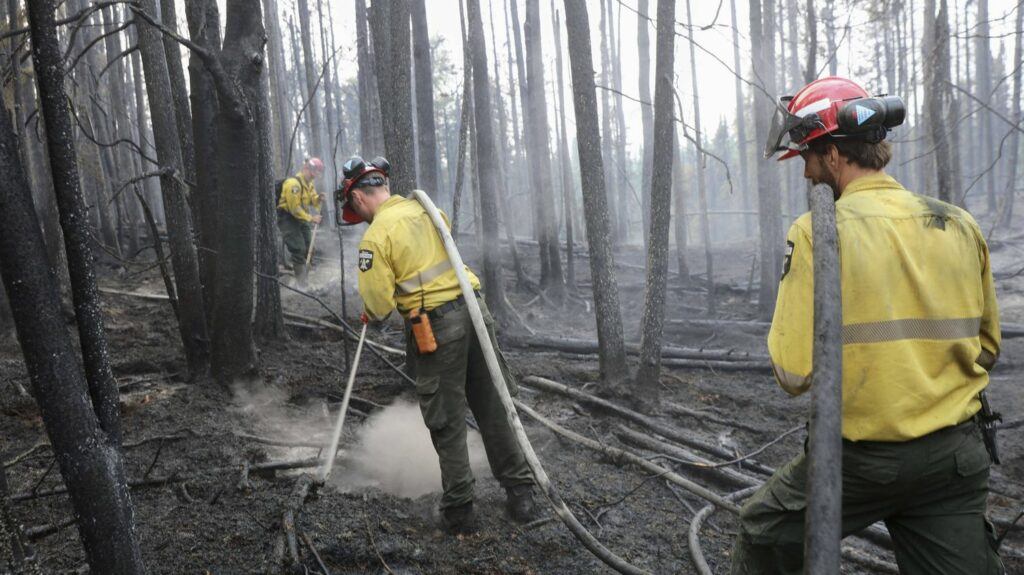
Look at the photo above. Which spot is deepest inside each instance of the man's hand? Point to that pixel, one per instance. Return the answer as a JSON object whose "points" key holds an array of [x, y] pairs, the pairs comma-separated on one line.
{"points": [[365, 319], [315, 219]]}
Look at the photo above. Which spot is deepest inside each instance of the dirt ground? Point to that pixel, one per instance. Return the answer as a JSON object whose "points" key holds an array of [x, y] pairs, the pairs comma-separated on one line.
{"points": [[378, 513]]}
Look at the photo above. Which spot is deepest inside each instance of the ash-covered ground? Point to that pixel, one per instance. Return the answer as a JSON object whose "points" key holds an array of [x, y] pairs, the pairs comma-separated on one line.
{"points": [[200, 511]]}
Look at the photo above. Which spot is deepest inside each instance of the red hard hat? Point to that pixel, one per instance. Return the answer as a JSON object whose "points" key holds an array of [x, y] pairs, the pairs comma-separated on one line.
{"points": [[315, 165], [356, 171], [822, 98]]}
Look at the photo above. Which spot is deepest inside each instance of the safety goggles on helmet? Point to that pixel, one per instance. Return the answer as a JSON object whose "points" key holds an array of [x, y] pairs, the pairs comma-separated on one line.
{"points": [[788, 131], [864, 118], [359, 174]]}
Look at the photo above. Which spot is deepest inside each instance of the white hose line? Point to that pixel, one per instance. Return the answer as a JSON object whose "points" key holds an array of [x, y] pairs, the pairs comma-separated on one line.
{"points": [[312, 242], [325, 471], [498, 379]]}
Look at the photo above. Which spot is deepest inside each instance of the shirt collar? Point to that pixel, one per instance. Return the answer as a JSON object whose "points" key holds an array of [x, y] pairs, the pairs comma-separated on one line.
{"points": [[389, 202], [872, 182]]}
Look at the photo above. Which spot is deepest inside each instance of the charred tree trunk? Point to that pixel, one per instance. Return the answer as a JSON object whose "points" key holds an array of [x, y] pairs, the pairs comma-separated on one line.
{"points": [[762, 41], [595, 201], [611, 178], [426, 140], [179, 94], [90, 462], [647, 113], [983, 91], [389, 21], [204, 29], [372, 139], [48, 63], [938, 96], [191, 313], [540, 154], [242, 159], [317, 146], [269, 320], [278, 96], [648, 373], [487, 159], [1006, 218], [679, 204], [700, 168], [565, 161], [742, 146]]}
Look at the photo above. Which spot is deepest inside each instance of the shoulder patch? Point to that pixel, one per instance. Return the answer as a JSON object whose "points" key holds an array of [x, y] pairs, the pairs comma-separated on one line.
{"points": [[365, 260], [790, 246]]}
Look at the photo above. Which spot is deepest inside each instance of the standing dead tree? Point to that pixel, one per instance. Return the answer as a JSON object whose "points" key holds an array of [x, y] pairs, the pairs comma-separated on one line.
{"points": [[48, 62], [568, 191], [389, 22], [90, 461], [652, 328], [237, 71], [487, 159], [762, 45], [426, 140], [191, 312], [610, 339], [540, 157], [371, 138]]}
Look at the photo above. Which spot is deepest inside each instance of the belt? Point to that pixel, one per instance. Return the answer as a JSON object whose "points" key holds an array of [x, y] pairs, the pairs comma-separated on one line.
{"points": [[448, 307]]}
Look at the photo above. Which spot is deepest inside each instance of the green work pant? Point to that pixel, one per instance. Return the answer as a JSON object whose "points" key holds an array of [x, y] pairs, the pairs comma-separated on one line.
{"points": [[931, 492], [296, 234], [446, 381]]}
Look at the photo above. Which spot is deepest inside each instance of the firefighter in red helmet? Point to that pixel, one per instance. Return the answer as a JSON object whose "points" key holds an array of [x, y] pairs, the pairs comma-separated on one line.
{"points": [[920, 334], [298, 209]]}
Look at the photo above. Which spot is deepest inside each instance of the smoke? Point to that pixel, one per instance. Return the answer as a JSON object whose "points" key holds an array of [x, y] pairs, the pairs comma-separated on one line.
{"points": [[393, 453], [269, 414]]}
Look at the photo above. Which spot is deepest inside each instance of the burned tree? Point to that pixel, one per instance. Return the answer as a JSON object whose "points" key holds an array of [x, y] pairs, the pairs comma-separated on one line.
{"points": [[48, 61], [551, 277], [191, 312], [426, 140], [389, 21], [494, 283], [87, 454], [595, 201], [651, 330]]}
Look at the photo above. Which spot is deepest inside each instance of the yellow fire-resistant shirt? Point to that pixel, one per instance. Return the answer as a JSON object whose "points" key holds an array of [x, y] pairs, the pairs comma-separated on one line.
{"points": [[299, 197], [403, 263], [920, 321]]}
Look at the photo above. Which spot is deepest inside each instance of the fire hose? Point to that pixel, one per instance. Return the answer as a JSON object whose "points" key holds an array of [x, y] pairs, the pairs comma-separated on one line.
{"points": [[498, 379], [328, 464]]}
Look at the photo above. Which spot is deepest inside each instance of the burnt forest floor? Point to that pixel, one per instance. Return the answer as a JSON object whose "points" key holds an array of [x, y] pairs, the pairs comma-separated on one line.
{"points": [[201, 513]]}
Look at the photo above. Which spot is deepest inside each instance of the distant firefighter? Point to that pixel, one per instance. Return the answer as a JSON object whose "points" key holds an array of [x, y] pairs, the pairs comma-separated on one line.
{"points": [[920, 334], [298, 206], [403, 264]]}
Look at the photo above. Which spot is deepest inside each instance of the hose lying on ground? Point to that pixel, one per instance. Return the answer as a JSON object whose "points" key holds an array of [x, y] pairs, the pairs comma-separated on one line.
{"points": [[498, 379]]}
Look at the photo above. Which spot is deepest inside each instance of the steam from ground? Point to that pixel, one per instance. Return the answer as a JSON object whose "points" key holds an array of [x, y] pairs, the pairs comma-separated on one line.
{"points": [[393, 453]]}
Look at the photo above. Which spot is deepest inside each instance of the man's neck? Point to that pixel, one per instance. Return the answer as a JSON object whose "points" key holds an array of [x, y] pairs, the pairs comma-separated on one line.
{"points": [[853, 172]]}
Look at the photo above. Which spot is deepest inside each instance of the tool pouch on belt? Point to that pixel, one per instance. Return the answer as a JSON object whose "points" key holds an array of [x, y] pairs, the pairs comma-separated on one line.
{"points": [[422, 331], [988, 421]]}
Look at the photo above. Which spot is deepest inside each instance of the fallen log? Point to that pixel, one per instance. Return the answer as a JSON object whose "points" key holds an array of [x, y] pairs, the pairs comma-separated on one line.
{"points": [[678, 409], [639, 418], [616, 454], [675, 453], [717, 357], [752, 327]]}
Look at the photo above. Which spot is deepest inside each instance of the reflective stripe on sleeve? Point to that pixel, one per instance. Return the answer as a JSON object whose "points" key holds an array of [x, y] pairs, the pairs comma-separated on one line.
{"points": [[426, 276], [898, 329]]}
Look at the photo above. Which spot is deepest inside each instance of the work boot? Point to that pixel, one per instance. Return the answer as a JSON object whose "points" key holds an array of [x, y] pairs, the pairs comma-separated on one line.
{"points": [[520, 504], [301, 276], [459, 520]]}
